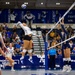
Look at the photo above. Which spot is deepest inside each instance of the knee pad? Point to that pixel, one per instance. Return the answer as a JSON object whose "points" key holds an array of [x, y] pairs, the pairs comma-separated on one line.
{"points": [[30, 51], [68, 59], [24, 50], [13, 63], [64, 59]]}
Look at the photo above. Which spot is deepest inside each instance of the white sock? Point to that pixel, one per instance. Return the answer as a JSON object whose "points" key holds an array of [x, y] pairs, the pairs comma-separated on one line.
{"points": [[12, 68], [22, 56], [30, 57]]}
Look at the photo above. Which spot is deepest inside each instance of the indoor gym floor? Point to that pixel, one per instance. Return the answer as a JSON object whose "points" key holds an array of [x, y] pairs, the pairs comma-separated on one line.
{"points": [[36, 72]]}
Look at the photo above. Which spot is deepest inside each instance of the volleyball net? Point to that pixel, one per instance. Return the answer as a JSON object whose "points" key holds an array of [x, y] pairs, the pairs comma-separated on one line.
{"points": [[46, 43]]}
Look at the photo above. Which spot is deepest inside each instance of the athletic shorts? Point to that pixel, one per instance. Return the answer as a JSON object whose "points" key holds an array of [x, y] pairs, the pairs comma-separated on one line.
{"points": [[66, 46], [27, 37], [8, 55]]}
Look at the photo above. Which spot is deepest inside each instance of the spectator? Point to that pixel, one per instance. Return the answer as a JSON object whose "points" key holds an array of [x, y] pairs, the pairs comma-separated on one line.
{"points": [[5, 26], [44, 34], [73, 51], [43, 17], [4, 37], [14, 29], [52, 34], [29, 17], [1, 27], [71, 45], [12, 17], [58, 15], [58, 38], [14, 35], [70, 31], [17, 38], [59, 52], [17, 48], [9, 33]]}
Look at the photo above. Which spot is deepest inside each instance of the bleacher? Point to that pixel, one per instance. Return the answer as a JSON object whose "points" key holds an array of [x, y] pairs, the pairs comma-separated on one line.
{"points": [[38, 47]]}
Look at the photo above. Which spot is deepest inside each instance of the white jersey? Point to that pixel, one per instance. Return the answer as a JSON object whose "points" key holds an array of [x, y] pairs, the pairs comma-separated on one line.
{"points": [[10, 52], [26, 29]]}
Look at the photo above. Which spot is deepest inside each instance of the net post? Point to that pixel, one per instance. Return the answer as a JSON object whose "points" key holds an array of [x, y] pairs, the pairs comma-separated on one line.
{"points": [[46, 57]]}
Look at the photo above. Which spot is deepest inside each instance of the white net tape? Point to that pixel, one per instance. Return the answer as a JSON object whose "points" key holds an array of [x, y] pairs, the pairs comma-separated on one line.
{"points": [[63, 41]]}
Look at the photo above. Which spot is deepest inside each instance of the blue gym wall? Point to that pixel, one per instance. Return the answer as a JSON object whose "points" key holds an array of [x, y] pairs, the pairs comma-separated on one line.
{"points": [[51, 16]]}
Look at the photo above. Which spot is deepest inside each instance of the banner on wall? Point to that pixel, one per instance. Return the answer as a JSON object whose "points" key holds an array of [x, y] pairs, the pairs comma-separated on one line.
{"points": [[41, 16], [37, 62], [25, 63]]}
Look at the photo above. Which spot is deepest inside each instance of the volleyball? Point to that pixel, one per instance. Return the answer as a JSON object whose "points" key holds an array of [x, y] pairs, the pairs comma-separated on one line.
{"points": [[23, 6]]}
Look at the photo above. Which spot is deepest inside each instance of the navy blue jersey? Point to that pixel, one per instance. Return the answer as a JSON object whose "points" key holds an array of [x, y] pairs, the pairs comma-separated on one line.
{"points": [[65, 45]]}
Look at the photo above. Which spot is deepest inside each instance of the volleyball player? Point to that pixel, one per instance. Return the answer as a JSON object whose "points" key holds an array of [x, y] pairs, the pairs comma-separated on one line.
{"points": [[27, 42], [3, 45], [66, 51], [9, 55], [66, 57]]}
